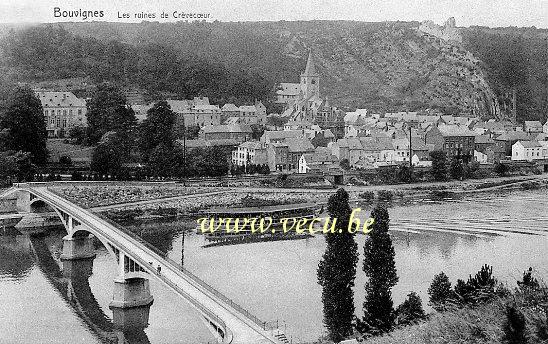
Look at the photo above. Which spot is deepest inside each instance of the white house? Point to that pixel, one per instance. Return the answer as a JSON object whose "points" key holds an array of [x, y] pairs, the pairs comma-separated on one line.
{"points": [[528, 150], [480, 157], [417, 162], [250, 153]]}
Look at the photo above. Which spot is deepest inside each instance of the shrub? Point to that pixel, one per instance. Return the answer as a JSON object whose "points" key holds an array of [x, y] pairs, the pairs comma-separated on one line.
{"points": [[439, 291], [65, 160], [501, 169], [367, 195], [514, 327], [410, 311], [528, 280], [385, 195]]}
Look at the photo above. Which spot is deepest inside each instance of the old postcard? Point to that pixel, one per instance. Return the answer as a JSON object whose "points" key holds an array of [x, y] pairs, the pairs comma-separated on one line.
{"points": [[274, 171]]}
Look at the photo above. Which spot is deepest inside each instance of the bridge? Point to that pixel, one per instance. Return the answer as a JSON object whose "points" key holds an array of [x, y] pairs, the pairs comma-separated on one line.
{"points": [[137, 263]]}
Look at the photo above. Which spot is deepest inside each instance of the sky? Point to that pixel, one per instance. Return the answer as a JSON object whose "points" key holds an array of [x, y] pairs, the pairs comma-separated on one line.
{"points": [[466, 12]]}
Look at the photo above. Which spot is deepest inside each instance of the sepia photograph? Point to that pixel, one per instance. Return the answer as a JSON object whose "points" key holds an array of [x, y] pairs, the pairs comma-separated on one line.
{"points": [[274, 172]]}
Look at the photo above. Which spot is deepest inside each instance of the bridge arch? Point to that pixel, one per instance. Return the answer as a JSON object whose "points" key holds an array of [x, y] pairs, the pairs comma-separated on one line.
{"points": [[129, 268]]}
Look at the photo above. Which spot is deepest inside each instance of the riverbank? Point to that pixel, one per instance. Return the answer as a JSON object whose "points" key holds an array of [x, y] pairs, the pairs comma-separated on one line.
{"points": [[193, 203], [482, 324]]}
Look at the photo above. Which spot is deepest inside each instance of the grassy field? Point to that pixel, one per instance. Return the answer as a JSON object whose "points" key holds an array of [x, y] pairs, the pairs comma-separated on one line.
{"points": [[57, 148]]}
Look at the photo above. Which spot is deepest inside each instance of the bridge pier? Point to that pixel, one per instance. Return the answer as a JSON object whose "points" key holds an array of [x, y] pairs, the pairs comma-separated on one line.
{"points": [[78, 247], [131, 303], [77, 268]]}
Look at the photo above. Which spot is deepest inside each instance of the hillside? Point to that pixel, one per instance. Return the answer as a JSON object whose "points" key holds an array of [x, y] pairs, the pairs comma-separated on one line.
{"points": [[380, 66]]}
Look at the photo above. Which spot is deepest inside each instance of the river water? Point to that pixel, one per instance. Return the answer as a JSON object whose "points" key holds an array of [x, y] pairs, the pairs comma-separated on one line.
{"points": [[273, 280]]}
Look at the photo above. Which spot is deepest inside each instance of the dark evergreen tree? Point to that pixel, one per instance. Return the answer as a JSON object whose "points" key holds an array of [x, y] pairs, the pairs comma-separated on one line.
{"points": [[528, 280], [157, 129], [410, 311], [439, 291], [337, 270], [457, 168], [23, 124], [380, 268], [439, 165]]}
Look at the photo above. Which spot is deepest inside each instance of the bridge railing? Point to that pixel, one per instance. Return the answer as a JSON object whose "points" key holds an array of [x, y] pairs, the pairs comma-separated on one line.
{"points": [[263, 324]]}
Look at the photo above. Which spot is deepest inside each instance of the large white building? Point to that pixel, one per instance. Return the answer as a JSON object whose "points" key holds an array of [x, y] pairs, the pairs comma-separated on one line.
{"points": [[62, 110], [529, 150]]}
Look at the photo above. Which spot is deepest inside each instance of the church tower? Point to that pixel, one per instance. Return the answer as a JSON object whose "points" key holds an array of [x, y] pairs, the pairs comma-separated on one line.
{"points": [[310, 80]]}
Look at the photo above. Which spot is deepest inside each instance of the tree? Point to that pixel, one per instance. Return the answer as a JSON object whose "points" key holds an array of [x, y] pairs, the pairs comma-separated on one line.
{"points": [[162, 161], [16, 167], [501, 169], [405, 173], [528, 280], [77, 134], [456, 168], [157, 129], [276, 121], [108, 111], [439, 162], [380, 268], [345, 164], [337, 270], [410, 311], [480, 288], [23, 124], [439, 291], [108, 156], [257, 131]]}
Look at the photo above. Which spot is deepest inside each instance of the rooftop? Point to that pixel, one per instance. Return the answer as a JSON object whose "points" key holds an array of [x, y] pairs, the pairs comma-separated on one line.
{"points": [[59, 99]]}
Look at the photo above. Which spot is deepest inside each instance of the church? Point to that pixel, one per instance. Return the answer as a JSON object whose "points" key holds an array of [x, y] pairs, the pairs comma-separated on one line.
{"points": [[303, 101]]}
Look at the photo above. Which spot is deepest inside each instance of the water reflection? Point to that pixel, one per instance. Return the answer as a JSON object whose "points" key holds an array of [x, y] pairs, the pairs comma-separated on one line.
{"points": [[70, 279], [16, 261]]}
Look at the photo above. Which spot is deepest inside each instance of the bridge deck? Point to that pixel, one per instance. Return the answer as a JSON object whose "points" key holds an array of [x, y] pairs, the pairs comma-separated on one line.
{"points": [[238, 326]]}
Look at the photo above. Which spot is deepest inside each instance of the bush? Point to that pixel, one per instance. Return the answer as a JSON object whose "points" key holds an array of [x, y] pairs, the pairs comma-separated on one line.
{"points": [[440, 291], [480, 288], [76, 176], [501, 169], [367, 195], [410, 311], [514, 327], [405, 174], [385, 195], [65, 160], [528, 280]]}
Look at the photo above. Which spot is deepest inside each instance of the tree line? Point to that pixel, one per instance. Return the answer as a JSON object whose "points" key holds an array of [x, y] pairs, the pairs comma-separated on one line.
{"points": [[51, 52], [153, 143]]}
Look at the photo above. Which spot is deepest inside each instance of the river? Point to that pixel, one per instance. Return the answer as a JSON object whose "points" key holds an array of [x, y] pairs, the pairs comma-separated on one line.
{"points": [[274, 280]]}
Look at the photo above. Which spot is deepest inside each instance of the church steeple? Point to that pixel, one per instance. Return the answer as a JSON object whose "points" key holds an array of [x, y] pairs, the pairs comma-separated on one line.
{"points": [[310, 68], [310, 80]]}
